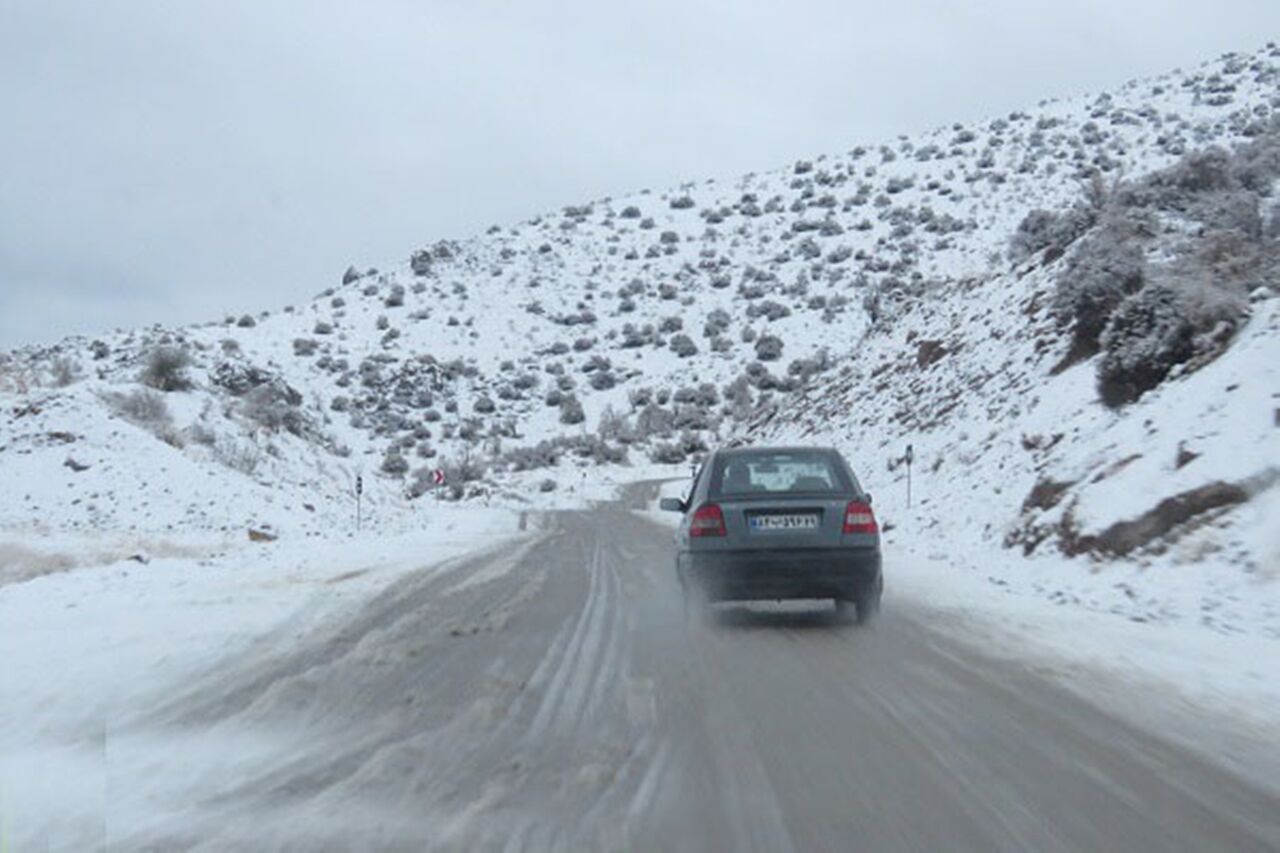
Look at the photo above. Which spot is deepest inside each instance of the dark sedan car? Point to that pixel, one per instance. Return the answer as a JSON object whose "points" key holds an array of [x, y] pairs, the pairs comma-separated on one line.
{"points": [[773, 523]]}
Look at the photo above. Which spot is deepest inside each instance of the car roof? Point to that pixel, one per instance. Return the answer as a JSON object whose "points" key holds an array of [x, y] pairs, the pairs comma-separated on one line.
{"points": [[795, 448]]}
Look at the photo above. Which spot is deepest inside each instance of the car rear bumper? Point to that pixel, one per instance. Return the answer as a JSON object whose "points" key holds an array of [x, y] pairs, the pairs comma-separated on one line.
{"points": [[844, 573]]}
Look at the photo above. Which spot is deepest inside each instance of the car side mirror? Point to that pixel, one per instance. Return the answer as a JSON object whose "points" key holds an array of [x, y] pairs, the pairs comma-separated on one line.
{"points": [[672, 505], [868, 496]]}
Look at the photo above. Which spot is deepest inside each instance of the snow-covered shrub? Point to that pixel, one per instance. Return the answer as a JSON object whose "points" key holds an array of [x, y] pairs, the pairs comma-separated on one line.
{"points": [[395, 298], [683, 346], [667, 453], [166, 369], [1145, 338], [769, 348], [768, 309], [275, 406], [653, 420], [484, 405], [630, 212], [142, 407], [64, 371], [640, 397], [238, 456], [246, 321], [716, 323], [571, 411], [304, 346], [1200, 171], [1106, 267], [596, 362], [420, 262], [1041, 230], [1186, 321], [693, 417], [322, 328], [465, 470], [683, 202]]}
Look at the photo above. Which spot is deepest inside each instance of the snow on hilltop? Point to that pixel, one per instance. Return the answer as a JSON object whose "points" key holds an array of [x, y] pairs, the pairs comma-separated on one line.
{"points": [[1069, 312]]}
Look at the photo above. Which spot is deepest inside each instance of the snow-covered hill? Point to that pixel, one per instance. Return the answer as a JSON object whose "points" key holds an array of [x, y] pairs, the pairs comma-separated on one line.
{"points": [[901, 292]]}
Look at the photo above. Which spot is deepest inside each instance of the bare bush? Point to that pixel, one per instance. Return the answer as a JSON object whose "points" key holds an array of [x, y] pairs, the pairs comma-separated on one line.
{"points": [[275, 406], [237, 456], [142, 407], [166, 369], [65, 371]]}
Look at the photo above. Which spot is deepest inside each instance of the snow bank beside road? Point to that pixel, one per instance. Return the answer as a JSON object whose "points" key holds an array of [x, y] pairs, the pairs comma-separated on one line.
{"points": [[87, 650]]}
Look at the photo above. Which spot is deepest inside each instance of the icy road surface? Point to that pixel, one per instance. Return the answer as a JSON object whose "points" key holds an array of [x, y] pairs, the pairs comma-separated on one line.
{"points": [[550, 696]]}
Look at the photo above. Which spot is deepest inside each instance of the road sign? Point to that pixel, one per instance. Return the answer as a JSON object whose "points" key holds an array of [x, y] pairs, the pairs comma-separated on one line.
{"points": [[437, 476]]}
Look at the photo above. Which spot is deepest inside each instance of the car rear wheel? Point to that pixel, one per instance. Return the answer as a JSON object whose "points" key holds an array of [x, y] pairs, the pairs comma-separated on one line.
{"points": [[868, 604], [696, 606]]}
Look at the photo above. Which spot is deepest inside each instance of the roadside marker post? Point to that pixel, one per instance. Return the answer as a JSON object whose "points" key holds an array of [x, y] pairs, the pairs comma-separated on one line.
{"points": [[909, 457], [359, 492]]}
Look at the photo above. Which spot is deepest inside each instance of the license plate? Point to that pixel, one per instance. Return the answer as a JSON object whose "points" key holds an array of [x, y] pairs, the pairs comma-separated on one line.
{"points": [[784, 522]]}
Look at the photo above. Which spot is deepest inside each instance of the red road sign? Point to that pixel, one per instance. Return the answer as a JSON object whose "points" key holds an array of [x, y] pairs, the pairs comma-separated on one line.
{"points": [[437, 476]]}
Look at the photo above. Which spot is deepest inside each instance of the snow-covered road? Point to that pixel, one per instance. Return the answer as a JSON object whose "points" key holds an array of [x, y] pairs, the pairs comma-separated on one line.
{"points": [[548, 694]]}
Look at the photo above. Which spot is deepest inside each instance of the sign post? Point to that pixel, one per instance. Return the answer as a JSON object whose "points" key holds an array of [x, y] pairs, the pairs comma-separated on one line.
{"points": [[908, 458], [359, 492]]}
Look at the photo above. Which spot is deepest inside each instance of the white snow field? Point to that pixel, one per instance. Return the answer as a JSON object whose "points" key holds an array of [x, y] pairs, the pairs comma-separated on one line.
{"points": [[156, 523]]}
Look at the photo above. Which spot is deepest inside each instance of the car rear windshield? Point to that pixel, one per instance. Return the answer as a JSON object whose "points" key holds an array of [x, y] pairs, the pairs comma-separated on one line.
{"points": [[776, 472]]}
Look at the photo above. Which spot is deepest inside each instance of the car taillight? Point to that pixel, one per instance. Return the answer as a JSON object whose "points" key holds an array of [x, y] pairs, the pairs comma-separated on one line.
{"points": [[858, 518], [707, 521]]}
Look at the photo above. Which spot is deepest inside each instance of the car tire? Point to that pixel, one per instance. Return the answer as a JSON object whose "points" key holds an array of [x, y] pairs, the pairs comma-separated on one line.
{"points": [[868, 605], [697, 607], [692, 606]]}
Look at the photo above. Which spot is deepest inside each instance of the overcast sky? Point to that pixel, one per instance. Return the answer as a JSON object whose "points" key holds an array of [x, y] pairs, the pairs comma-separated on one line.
{"points": [[176, 161]]}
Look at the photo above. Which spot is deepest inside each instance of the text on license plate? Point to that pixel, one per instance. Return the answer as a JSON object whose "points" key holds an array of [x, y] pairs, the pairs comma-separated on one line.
{"points": [[784, 522]]}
